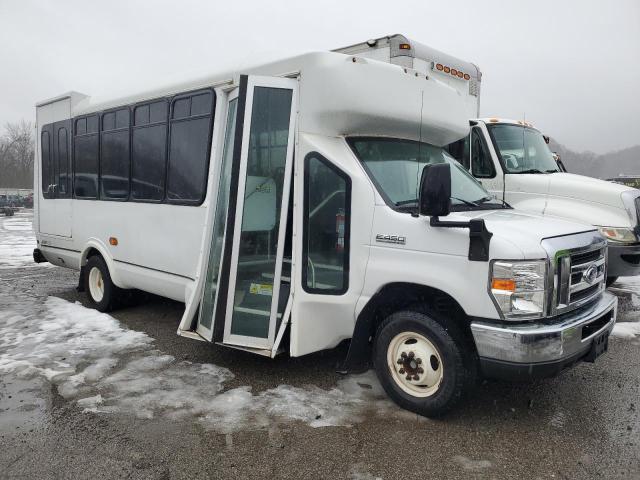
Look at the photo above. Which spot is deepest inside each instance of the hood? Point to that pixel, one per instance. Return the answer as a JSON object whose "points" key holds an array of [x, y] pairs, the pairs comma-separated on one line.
{"points": [[587, 188], [524, 230]]}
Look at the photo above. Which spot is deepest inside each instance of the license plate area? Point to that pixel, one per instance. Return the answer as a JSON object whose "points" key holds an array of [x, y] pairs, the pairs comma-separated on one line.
{"points": [[599, 345]]}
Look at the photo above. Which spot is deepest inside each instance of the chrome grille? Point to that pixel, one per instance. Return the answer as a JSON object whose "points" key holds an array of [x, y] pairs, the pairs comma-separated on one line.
{"points": [[581, 277]]}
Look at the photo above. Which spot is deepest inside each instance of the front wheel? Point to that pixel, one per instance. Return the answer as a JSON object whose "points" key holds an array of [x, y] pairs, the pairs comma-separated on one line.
{"points": [[423, 366]]}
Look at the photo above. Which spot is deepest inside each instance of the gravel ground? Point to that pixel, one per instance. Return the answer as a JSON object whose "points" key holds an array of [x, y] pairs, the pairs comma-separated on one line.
{"points": [[136, 401]]}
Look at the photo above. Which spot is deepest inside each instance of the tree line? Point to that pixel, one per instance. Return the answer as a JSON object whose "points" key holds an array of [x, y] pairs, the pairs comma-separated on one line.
{"points": [[17, 147]]}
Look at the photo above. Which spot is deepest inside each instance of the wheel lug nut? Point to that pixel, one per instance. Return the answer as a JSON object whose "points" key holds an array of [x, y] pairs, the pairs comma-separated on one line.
{"points": [[403, 355], [420, 370], [416, 377], [411, 354], [408, 377], [401, 371], [418, 360], [400, 361]]}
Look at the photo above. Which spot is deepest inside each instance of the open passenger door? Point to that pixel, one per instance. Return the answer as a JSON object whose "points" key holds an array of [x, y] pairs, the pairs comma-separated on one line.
{"points": [[246, 286]]}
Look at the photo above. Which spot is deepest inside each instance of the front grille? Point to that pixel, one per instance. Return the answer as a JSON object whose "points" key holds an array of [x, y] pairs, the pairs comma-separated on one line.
{"points": [[581, 277]]}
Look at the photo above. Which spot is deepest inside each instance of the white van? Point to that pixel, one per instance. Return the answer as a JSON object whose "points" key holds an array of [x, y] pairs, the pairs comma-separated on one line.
{"points": [[310, 201], [512, 160]]}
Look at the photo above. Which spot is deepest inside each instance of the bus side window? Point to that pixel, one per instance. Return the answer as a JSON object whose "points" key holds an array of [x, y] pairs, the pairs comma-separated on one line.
{"points": [[46, 171], [326, 227], [460, 151], [481, 163]]}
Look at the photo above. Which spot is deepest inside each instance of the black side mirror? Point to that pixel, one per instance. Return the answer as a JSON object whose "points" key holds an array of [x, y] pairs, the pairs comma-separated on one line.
{"points": [[435, 190]]}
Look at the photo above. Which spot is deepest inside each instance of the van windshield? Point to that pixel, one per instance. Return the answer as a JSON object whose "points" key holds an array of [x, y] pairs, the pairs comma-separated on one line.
{"points": [[522, 149], [396, 165]]}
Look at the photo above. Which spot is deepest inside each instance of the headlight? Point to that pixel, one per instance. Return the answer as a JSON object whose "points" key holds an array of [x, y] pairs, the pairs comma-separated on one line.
{"points": [[518, 288], [621, 235]]}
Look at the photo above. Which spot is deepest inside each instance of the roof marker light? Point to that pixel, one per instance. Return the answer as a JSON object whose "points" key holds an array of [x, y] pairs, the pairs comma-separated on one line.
{"points": [[447, 70], [466, 76], [405, 46], [439, 67]]}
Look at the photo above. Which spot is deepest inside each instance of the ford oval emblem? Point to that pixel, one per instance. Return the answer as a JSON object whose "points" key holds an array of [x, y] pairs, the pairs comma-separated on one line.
{"points": [[590, 274]]}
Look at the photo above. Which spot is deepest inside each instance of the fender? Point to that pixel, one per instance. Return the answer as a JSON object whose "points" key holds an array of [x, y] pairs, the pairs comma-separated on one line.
{"points": [[96, 244]]}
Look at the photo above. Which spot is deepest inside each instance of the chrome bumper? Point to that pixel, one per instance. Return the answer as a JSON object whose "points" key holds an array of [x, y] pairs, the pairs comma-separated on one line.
{"points": [[538, 343]]}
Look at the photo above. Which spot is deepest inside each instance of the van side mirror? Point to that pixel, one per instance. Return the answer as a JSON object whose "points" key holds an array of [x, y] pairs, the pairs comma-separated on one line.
{"points": [[435, 190]]}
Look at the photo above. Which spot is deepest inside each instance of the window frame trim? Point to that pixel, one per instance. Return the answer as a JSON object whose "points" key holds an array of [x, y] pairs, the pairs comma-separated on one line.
{"points": [[305, 226]]}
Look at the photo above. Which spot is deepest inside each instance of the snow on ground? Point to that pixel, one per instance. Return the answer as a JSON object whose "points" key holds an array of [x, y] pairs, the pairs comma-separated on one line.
{"points": [[626, 330], [18, 241], [107, 368]]}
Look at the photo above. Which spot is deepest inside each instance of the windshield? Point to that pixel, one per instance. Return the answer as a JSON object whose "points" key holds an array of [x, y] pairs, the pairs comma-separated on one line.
{"points": [[522, 149], [396, 166]]}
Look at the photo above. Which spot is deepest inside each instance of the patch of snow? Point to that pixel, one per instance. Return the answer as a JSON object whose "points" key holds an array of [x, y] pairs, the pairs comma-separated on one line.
{"points": [[17, 241], [105, 367], [626, 330], [472, 465]]}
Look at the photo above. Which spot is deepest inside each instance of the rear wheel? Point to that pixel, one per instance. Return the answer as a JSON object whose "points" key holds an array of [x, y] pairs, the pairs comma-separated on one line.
{"points": [[100, 289], [423, 366]]}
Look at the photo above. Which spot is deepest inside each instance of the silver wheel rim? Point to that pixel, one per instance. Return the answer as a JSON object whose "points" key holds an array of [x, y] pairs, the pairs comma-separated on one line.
{"points": [[96, 284], [415, 364]]}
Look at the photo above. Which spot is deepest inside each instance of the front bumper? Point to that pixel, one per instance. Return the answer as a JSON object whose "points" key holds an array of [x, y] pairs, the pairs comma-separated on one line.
{"points": [[543, 348], [623, 260]]}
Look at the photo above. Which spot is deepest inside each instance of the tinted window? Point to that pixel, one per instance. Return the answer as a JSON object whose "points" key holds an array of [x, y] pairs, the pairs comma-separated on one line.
{"points": [[189, 148], [326, 227], [114, 155], [86, 166], [148, 154], [47, 171], [92, 124], [481, 162], [158, 112], [460, 151], [142, 115], [81, 126], [63, 163]]}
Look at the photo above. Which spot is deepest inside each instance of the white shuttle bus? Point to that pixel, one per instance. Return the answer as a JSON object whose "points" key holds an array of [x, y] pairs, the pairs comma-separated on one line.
{"points": [[310, 201], [513, 162]]}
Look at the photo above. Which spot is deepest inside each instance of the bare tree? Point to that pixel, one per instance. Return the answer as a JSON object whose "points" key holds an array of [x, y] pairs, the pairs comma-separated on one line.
{"points": [[16, 155]]}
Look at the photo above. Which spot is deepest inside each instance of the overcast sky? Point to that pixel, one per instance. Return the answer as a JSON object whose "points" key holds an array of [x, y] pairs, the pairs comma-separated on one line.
{"points": [[571, 66]]}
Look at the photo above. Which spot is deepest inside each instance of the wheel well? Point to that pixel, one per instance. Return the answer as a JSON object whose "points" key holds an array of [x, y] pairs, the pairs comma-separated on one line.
{"points": [[91, 252], [393, 298]]}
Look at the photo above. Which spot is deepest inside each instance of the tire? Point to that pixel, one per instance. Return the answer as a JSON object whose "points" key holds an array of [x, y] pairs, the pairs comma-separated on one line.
{"points": [[448, 367], [611, 281], [101, 291]]}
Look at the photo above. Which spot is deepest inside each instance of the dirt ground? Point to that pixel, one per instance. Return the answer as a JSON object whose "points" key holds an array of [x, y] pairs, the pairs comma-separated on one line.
{"points": [[150, 404]]}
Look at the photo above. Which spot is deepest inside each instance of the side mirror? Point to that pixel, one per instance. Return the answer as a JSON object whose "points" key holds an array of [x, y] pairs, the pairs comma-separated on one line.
{"points": [[435, 190]]}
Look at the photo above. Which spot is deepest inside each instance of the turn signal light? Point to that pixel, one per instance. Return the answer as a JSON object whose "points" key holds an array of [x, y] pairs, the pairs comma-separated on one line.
{"points": [[405, 46], [113, 241], [506, 284]]}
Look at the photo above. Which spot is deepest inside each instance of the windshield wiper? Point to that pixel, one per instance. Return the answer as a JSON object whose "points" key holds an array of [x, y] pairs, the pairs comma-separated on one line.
{"points": [[466, 202], [406, 202], [531, 170]]}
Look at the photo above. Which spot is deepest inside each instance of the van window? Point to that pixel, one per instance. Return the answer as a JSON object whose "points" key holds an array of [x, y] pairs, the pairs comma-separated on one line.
{"points": [[460, 151], [327, 219], [481, 162], [114, 155], [46, 170], [189, 148], [86, 151], [149, 151], [63, 190]]}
